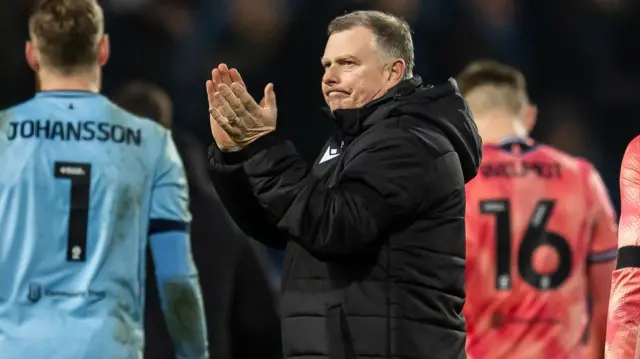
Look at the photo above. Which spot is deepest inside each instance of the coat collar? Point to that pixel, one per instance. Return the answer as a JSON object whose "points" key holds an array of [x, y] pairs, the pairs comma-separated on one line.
{"points": [[354, 121]]}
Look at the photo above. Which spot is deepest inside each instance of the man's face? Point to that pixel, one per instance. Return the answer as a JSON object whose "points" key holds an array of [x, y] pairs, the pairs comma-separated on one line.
{"points": [[355, 73]]}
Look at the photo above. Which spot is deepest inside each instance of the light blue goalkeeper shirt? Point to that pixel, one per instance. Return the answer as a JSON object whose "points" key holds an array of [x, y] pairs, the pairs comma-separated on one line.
{"points": [[84, 187]]}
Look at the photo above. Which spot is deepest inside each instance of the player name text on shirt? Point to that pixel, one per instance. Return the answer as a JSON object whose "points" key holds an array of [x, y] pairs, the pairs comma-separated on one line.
{"points": [[511, 169], [74, 131]]}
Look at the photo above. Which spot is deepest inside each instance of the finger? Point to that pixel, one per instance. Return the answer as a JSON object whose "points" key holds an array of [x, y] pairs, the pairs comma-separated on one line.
{"points": [[222, 122], [214, 119], [247, 101], [270, 97], [235, 77], [210, 91], [215, 114], [233, 101], [215, 102], [224, 108], [224, 73], [218, 120], [216, 77]]}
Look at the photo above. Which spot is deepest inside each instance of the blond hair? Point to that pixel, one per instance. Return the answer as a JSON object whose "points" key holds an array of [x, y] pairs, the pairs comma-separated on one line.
{"points": [[67, 33], [489, 85]]}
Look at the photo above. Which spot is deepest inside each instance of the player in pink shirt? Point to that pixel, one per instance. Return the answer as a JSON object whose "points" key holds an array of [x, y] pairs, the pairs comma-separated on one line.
{"points": [[541, 234], [624, 309]]}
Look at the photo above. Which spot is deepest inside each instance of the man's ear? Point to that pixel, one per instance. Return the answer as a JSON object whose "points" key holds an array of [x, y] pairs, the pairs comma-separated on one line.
{"points": [[104, 50], [529, 117], [32, 55], [396, 71]]}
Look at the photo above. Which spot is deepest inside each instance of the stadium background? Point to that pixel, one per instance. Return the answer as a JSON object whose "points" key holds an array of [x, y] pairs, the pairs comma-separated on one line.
{"points": [[581, 59]]}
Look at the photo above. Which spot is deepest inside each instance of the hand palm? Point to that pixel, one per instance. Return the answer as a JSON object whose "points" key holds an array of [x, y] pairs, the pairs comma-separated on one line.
{"points": [[222, 75], [236, 119]]}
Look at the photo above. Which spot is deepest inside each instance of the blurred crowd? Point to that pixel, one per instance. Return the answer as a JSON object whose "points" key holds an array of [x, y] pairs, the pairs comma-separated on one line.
{"points": [[580, 58]]}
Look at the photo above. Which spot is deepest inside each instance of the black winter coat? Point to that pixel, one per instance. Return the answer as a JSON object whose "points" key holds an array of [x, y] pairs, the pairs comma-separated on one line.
{"points": [[374, 231]]}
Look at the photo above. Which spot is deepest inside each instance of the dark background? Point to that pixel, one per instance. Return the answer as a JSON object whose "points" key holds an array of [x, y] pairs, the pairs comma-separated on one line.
{"points": [[580, 58]]}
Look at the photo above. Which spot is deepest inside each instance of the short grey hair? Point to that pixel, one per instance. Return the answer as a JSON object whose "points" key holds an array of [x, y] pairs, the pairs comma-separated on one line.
{"points": [[392, 35]]}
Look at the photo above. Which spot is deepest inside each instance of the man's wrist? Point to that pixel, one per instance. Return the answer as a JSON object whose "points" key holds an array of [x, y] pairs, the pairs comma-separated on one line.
{"points": [[239, 154], [246, 142]]}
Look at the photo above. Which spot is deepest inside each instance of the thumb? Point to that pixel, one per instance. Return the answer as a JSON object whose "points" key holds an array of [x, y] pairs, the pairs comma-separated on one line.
{"points": [[269, 97]]}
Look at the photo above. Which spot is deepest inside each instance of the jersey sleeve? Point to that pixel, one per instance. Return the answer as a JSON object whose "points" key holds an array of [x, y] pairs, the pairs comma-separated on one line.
{"points": [[170, 199], [176, 273], [624, 304], [474, 231], [603, 245], [472, 222]]}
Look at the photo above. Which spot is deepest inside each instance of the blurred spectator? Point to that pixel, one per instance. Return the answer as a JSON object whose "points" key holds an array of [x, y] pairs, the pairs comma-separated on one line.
{"points": [[240, 304], [17, 78], [144, 36]]}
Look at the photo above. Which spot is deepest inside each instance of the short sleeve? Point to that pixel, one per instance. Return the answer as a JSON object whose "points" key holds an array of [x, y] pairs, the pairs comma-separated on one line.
{"points": [[170, 193]]}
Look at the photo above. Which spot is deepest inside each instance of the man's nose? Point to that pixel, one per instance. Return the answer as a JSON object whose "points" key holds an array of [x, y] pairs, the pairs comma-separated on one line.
{"points": [[331, 76]]}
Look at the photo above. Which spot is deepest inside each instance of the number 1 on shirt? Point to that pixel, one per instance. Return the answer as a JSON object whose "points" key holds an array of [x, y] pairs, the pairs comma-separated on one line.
{"points": [[79, 175]]}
